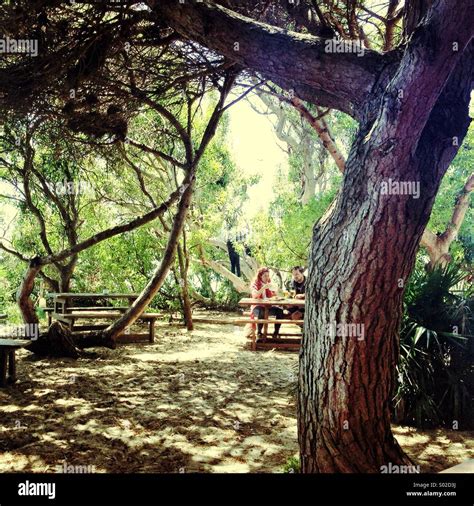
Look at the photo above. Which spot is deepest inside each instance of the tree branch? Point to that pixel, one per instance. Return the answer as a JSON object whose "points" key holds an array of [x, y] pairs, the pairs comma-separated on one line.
{"points": [[338, 80], [111, 232]]}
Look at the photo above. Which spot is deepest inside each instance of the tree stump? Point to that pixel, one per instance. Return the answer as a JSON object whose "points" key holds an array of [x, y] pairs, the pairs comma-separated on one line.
{"points": [[58, 341]]}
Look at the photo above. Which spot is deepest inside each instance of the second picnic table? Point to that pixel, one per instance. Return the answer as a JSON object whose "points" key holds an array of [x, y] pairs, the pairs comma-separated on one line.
{"points": [[64, 310], [62, 301], [7, 359], [267, 304]]}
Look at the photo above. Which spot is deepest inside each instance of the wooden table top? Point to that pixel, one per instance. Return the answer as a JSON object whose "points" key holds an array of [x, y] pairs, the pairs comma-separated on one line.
{"points": [[272, 302], [77, 313], [14, 343], [72, 295]]}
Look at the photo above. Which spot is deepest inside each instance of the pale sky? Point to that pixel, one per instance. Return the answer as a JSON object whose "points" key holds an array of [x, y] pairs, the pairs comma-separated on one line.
{"points": [[255, 149]]}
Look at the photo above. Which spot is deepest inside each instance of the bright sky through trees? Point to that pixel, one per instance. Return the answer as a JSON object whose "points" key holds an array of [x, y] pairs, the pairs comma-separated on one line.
{"points": [[256, 150]]}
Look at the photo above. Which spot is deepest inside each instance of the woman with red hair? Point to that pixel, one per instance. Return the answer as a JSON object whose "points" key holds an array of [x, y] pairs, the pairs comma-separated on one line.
{"points": [[261, 288]]}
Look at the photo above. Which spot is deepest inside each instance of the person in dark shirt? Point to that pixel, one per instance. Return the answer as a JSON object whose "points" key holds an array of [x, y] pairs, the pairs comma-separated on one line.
{"points": [[298, 283], [298, 286], [234, 258]]}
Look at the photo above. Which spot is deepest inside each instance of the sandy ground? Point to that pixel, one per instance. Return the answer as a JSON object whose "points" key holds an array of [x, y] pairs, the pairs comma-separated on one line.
{"points": [[191, 402]]}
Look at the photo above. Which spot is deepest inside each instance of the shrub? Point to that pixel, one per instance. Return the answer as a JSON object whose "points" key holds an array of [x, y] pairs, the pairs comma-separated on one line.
{"points": [[435, 369], [292, 465]]}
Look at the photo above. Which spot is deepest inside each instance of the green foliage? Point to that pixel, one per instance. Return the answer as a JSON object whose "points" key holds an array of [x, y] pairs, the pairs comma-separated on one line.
{"points": [[435, 370], [451, 186], [292, 465], [281, 236]]}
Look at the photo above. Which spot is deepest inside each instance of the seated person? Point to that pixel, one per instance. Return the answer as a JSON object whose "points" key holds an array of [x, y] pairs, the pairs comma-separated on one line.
{"points": [[261, 289], [298, 286]]}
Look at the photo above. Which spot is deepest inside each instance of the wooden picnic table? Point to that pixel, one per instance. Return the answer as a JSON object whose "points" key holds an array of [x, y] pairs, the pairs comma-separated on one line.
{"points": [[267, 304], [3, 316], [64, 311], [62, 301], [7, 359]]}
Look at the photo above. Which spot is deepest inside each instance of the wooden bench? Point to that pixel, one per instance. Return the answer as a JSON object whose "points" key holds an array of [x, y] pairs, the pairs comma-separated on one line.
{"points": [[240, 321], [7, 359], [97, 308], [70, 318], [50, 310], [243, 321], [291, 342]]}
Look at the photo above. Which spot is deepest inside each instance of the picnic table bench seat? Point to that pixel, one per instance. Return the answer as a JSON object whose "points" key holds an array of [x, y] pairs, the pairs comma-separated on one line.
{"points": [[50, 310], [96, 308], [71, 318], [8, 348], [243, 321], [102, 315], [268, 320], [66, 310]]}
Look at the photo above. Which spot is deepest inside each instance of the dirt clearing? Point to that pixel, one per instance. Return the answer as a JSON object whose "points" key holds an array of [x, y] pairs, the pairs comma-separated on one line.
{"points": [[192, 402]]}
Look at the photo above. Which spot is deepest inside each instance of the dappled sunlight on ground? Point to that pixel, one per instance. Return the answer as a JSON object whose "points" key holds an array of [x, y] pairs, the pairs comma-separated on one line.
{"points": [[436, 449], [191, 402]]}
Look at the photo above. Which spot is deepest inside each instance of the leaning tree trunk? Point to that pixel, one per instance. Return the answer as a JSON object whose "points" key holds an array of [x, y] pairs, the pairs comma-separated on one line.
{"points": [[183, 262], [25, 303], [187, 189], [156, 281], [362, 253]]}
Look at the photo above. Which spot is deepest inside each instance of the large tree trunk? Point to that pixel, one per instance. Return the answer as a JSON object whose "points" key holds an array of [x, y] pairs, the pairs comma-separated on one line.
{"points": [[364, 248], [362, 254]]}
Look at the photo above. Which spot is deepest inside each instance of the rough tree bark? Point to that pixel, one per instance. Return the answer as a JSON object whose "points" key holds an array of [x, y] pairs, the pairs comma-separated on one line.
{"points": [[410, 106], [344, 405]]}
